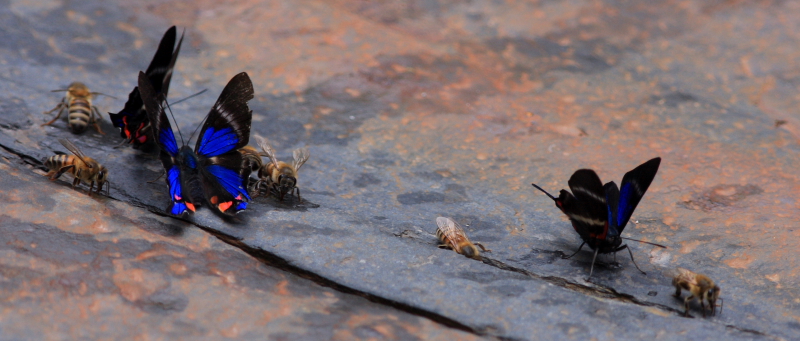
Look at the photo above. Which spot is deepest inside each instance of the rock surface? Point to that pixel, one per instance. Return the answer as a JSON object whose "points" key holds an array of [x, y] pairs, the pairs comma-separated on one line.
{"points": [[412, 110]]}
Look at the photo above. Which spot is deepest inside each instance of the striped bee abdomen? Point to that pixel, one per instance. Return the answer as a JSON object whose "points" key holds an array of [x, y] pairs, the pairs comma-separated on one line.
{"points": [[80, 114]]}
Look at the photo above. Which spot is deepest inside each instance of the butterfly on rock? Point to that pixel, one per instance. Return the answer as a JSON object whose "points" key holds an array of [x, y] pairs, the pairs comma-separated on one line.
{"points": [[600, 212], [214, 172]]}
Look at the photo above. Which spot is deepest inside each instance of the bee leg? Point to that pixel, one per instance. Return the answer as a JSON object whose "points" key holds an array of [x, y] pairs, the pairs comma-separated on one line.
{"points": [[96, 126], [444, 246], [576, 252], [57, 174], [677, 291], [298, 194], [60, 107], [254, 192], [91, 185], [482, 248], [632, 260], [76, 182], [686, 305], [703, 307]]}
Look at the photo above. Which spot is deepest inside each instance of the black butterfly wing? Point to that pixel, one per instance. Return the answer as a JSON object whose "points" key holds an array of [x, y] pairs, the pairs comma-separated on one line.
{"points": [[634, 185], [181, 201], [224, 173], [133, 120], [160, 70], [589, 212]]}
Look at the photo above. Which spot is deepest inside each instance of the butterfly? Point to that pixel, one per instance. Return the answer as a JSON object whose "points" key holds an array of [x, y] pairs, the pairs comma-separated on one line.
{"points": [[214, 171], [132, 121], [600, 212]]}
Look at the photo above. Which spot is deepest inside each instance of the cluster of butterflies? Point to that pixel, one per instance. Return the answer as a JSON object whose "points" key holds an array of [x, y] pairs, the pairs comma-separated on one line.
{"points": [[216, 172]]}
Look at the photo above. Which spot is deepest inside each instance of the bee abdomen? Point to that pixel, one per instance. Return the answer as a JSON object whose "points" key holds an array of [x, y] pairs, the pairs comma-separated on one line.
{"points": [[58, 161], [80, 111], [440, 235]]}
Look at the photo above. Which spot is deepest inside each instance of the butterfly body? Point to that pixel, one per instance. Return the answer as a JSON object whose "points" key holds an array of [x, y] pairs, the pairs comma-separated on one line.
{"points": [[214, 172], [132, 120], [599, 213]]}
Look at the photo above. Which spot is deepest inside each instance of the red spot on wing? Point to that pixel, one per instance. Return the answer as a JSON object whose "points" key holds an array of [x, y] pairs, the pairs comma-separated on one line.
{"points": [[605, 232], [177, 198], [239, 197], [225, 206], [125, 123], [214, 200], [190, 206]]}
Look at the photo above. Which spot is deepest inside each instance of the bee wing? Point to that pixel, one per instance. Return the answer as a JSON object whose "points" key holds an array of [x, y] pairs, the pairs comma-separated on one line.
{"points": [[681, 274], [452, 231], [300, 156], [267, 148], [75, 150]]}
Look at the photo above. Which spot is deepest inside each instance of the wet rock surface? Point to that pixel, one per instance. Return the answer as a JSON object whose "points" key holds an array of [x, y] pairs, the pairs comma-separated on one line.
{"points": [[413, 110]]}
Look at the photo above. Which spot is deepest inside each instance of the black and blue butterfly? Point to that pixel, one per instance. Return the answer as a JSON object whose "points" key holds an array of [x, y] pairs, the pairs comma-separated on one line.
{"points": [[215, 171], [132, 120], [600, 212]]}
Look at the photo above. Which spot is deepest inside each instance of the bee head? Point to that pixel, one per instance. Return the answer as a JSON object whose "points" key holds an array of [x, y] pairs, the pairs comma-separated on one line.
{"points": [[78, 89], [102, 176], [287, 183], [470, 251]]}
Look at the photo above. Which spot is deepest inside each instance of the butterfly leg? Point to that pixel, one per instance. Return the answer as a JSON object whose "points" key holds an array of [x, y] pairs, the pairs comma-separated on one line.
{"points": [[592, 268], [632, 260], [576, 252], [482, 248], [159, 177], [60, 107]]}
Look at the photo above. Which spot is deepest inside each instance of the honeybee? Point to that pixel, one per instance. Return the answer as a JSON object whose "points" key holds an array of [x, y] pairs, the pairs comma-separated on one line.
{"points": [[251, 159], [700, 287], [78, 101], [278, 175], [451, 236], [82, 167]]}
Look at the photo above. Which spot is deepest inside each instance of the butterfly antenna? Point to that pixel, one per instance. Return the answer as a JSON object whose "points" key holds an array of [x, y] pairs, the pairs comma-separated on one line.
{"points": [[183, 142], [545, 192], [642, 241], [198, 127], [190, 96]]}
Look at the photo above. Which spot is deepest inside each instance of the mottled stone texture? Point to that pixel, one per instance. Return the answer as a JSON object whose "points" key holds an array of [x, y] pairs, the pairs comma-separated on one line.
{"points": [[411, 110]]}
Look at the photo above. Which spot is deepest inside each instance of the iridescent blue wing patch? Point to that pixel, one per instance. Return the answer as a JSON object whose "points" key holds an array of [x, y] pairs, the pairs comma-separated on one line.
{"points": [[634, 184]]}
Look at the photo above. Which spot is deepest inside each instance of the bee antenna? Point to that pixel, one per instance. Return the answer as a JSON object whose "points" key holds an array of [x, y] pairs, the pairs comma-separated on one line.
{"points": [[59, 90], [545, 192], [642, 241], [190, 96], [174, 120], [100, 93]]}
